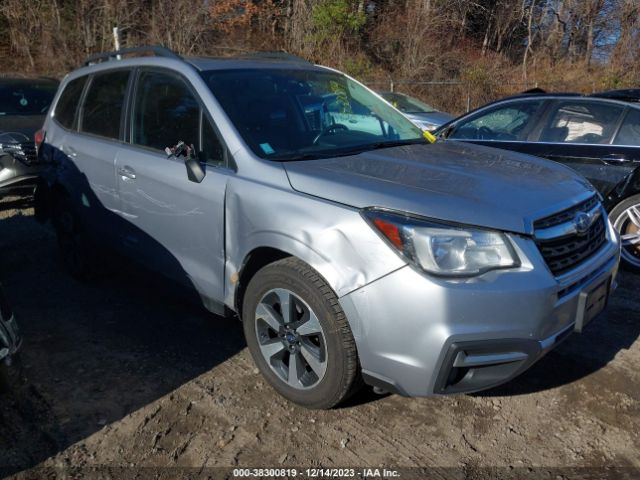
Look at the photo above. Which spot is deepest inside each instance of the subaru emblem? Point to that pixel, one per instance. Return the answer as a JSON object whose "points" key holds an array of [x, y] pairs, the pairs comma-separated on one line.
{"points": [[582, 222]]}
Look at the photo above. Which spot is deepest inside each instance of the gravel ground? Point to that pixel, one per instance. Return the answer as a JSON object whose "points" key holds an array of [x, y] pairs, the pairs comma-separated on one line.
{"points": [[125, 372]]}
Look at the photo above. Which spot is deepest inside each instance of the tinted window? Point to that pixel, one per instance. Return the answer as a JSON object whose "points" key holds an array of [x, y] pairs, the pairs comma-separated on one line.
{"points": [[288, 114], [68, 102], [25, 97], [102, 109], [212, 150], [629, 133], [165, 112], [582, 122], [503, 123]]}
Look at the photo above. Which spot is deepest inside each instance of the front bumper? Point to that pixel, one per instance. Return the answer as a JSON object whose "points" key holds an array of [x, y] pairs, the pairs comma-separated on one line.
{"points": [[419, 335], [15, 175]]}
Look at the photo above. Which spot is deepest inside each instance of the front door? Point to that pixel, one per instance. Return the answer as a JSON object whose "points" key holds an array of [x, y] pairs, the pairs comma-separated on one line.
{"points": [[179, 224]]}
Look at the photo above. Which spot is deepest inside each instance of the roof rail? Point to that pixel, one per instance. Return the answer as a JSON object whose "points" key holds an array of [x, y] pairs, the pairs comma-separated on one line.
{"points": [[627, 95], [279, 56], [157, 50]]}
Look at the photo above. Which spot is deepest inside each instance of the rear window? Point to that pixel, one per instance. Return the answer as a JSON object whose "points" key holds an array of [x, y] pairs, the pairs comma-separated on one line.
{"points": [[103, 104], [68, 102], [23, 98]]}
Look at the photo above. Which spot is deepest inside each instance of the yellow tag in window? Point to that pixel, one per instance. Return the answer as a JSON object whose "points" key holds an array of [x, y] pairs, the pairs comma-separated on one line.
{"points": [[430, 137]]}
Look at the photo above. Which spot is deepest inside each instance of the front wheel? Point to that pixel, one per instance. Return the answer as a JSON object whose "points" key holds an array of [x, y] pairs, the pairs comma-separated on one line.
{"points": [[625, 218], [299, 336]]}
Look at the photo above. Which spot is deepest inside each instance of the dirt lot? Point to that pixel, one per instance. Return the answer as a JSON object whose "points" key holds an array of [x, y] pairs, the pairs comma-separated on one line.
{"points": [[124, 372]]}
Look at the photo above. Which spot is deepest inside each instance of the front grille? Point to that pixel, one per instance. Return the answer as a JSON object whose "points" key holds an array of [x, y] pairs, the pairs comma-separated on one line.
{"points": [[566, 252], [567, 215]]}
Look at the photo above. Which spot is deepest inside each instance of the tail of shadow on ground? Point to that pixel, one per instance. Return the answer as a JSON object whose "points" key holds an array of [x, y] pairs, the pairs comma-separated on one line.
{"points": [[96, 352]]}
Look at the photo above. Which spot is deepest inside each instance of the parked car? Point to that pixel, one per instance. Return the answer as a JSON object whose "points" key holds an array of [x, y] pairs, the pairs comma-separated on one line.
{"points": [[9, 339], [597, 135], [347, 254], [23, 106], [420, 113]]}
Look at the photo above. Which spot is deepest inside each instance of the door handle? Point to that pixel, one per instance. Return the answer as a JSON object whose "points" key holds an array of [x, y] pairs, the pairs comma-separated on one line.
{"points": [[615, 158], [127, 172]]}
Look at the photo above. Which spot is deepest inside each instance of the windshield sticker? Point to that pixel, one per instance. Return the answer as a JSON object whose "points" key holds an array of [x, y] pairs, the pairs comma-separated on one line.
{"points": [[266, 148]]}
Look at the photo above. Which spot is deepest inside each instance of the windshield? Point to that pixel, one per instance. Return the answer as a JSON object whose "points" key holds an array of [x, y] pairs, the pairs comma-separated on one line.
{"points": [[407, 104], [22, 98], [298, 114]]}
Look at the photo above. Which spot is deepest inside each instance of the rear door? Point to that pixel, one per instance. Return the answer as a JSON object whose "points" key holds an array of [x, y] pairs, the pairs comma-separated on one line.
{"points": [[92, 149], [580, 133], [179, 224]]}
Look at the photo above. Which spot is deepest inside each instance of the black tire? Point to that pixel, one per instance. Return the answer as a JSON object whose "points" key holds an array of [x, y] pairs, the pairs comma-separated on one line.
{"points": [[78, 253], [619, 218], [342, 377]]}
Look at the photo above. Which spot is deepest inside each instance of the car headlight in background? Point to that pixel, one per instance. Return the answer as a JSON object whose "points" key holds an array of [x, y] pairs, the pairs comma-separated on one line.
{"points": [[441, 249]]}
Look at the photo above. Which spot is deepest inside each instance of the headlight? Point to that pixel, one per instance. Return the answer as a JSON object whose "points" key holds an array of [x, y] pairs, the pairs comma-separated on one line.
{"points": [[441, 249]]}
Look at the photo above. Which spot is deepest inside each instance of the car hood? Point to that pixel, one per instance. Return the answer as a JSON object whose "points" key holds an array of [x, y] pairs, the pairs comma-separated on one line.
{"points": [[450, 181]]}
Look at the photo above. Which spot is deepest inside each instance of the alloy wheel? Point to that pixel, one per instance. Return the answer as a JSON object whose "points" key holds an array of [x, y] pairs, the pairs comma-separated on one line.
{"points": [[291, 339], [628, 225]]}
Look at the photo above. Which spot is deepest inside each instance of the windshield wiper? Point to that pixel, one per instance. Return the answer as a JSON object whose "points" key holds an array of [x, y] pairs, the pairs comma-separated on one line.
{"points": [[380, 145], [293, 157]]}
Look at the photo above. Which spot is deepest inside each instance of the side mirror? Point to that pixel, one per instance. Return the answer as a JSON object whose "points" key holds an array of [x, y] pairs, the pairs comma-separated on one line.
{"points": [[195, 172]]}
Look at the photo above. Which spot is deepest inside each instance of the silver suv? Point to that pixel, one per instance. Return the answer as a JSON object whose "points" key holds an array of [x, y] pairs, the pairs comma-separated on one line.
{"points": [[352, 249]]}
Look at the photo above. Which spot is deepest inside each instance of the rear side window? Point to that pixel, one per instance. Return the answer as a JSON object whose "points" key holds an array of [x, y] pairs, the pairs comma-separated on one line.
{"points": [[629, 133], [582, 122], [103, 105], [165, 112], [68, 102]]}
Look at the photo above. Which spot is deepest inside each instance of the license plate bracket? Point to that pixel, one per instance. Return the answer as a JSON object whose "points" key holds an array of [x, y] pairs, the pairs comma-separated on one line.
{"points": [[591, 303]]}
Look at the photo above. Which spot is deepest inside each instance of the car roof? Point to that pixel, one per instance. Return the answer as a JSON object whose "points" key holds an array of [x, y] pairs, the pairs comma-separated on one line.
{"points": [[249, 62]]}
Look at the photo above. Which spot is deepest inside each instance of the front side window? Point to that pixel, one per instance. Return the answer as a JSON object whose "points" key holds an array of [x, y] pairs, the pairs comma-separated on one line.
{"points": [[582, 122], [68, 102], [212, 152], [103, 104], [292, 114], [505, 123], [165, 112], [629, 133]]}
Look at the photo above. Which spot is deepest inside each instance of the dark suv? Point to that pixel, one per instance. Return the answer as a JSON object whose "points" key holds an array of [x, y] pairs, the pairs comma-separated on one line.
{"points": [[597, 135]]}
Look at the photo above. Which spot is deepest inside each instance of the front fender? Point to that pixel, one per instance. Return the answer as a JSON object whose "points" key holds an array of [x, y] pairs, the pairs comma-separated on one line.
{"points": [[333, 239], [627, 187]]}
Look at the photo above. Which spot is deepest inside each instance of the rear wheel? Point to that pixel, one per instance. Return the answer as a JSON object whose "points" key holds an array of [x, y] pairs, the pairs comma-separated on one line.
{"points": [[626, 220], [299, 336]]}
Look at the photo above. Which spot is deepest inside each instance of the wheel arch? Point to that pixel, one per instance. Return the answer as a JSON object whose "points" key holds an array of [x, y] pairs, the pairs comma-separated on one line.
{"points": [[626, 188]]}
